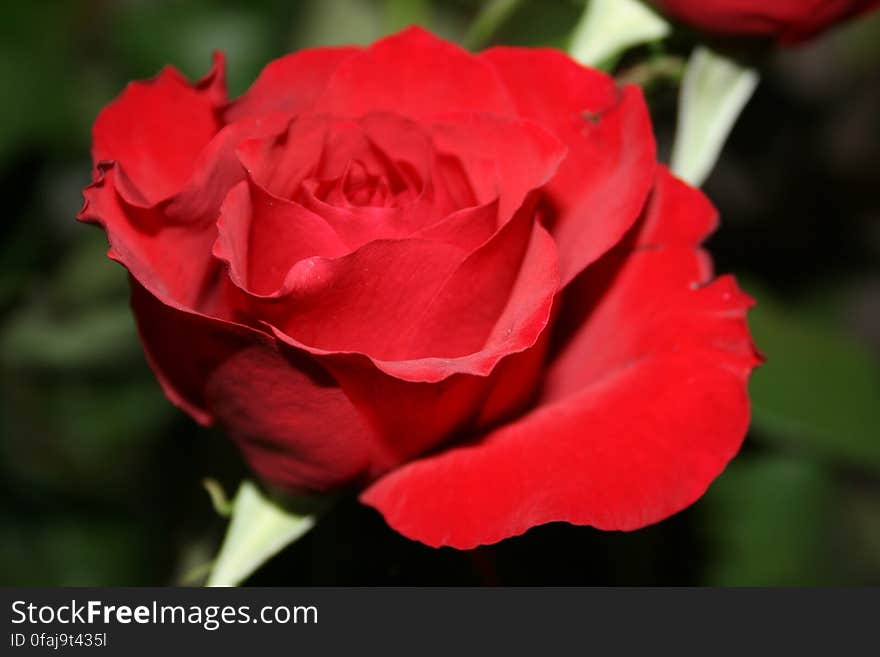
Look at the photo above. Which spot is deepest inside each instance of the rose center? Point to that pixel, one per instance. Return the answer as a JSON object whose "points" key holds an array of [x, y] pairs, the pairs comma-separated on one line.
{"points": [[358, 186]]}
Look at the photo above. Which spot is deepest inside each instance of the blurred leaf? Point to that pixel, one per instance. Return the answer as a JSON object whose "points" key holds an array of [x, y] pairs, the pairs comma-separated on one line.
{"points": [[341, 22], [34, 338], [819, 390], [73, 434], [860, 41], [88, 277], [487, 22], [402, 13], [714, 92], [35, 67], [73, 551], [150, 35], [20, 252], [258, 530], [767, 521], [860, 511], [538, 24], [609, 27]]}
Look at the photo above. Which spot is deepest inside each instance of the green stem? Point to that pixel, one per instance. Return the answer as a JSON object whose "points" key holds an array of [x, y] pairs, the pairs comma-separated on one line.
{"points": [[260, 527], [714, 92]]}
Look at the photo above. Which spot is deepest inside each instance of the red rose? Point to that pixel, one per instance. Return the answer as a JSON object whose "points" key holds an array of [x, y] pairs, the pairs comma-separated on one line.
{"points": [[787, 21], [458, 282]]}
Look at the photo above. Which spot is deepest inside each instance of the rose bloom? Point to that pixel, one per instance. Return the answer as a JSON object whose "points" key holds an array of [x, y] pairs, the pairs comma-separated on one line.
{"points": [[460, 284], [787, 21]]}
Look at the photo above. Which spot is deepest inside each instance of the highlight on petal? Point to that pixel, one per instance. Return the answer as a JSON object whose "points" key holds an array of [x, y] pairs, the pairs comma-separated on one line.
{"points": [[644, 404]]}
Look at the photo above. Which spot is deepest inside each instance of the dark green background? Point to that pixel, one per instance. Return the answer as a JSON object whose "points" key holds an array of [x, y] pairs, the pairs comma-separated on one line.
{"points": [[100, 475]]}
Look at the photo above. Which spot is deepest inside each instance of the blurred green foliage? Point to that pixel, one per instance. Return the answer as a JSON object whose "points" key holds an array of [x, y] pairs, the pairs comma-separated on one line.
{"points": [[100, 475], [819, 391]]}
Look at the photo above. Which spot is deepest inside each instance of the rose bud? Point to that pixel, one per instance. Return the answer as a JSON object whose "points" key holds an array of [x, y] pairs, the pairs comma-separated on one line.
{"points": [[460, 284], [786, 21]]}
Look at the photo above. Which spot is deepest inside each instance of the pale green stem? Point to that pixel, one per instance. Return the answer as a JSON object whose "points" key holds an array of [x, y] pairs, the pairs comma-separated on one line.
{"points": [[259, 528], [714, 92], [607, 28]]}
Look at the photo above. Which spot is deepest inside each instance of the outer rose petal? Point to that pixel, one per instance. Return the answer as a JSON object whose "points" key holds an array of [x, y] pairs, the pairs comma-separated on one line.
{"points": [[167, 245], [602, 184], [314, 423], [156, 129], [789, 21], [287, 414], [617, 445], [415, 74], [290, 84], [409, 418]]}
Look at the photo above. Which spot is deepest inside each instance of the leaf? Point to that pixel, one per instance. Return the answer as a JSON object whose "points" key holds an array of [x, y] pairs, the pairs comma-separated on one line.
{"points": [[403, 13], [101, 336], [259, 529], [609, 27], [338, 22], [493, 14], [767, 520], [714, 92], [149, 35], [819, 390]]}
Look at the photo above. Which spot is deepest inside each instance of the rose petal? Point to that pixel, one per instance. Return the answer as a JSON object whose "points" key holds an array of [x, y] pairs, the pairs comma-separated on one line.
{"points": [[504, 158], [602, 185], [496, 158], [316, 149], [467, 228], [156, 129], [290, 84], [287, 414], [418, 304], [261, 238], [166, 257], [644, 406], [497, 302], [615, 313], [409, 418], [167, 246], [413, 73], [359, 302]]}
